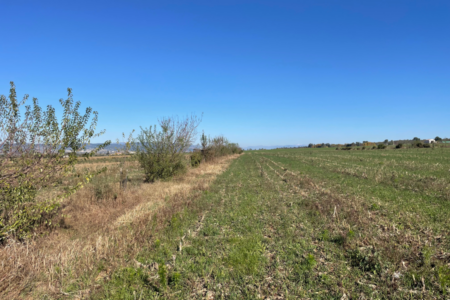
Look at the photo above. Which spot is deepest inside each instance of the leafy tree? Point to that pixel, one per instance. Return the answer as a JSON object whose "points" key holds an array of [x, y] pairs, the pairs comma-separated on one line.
{"points": [[310, 145], [416, 139], [33, 147], [438, 139], [358, 144]]}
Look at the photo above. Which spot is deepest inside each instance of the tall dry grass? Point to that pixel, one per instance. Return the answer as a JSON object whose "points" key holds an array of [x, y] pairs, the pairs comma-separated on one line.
{"points": [[97, 234]]}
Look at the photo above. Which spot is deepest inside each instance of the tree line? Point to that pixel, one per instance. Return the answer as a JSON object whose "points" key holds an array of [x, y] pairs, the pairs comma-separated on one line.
{"points": [[386, 142], [38, 150]]}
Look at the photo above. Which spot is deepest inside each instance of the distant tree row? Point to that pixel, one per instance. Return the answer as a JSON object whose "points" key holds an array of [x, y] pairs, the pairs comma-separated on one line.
{"points": [[367, 143]]}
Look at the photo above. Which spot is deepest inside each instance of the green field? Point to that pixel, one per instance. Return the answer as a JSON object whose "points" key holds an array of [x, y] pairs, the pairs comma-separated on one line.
{"points": [[305, 223]]}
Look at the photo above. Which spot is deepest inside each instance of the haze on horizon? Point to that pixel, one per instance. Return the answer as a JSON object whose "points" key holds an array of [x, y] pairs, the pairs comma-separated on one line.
{"points": [[263, 73]]}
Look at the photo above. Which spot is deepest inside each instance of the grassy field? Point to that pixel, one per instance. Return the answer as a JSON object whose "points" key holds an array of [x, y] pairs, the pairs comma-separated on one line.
{"points": [[301, 223], [278, 224]]}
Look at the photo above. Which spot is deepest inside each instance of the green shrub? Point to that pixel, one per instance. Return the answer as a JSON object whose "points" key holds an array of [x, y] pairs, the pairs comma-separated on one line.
{"points": [[209, 153], [218, 146], [374, 147], [418, 145], [363, 148], [426, 146], [399, 146], [161, 152], [162, 167], [381, 146], [196, 158]]}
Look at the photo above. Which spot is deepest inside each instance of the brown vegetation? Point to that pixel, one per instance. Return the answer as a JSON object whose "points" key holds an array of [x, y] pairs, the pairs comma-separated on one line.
{"points": [[92, 232]]}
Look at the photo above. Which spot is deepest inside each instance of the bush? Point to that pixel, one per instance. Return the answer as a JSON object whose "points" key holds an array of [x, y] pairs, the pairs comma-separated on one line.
{"points": [[209, 154], [337, 148], [161, 153], [374, 147], [363, 148], [381, 146], [218, 146], [418, 145], [196, 158], [426, 145], [399, 146], [161, 166]]}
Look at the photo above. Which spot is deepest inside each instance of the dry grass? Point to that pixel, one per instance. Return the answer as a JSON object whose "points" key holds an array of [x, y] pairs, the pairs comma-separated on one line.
{"points": [[96, 232]]}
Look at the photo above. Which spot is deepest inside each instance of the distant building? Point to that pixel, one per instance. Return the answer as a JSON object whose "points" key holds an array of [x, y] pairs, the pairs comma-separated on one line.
{"points": [[430, 141]]}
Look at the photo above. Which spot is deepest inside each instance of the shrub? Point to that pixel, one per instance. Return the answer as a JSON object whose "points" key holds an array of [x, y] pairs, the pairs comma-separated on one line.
{"points": [[337, 148], [363, 148], [196, 158], [161, 152], [218, 146], [418, 145], [426, 145], [161, 165], [374, 147], [209, 154], [381, 146], [399, 146]]}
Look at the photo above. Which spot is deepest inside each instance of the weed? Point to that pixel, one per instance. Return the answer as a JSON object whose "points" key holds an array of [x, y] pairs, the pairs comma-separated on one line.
{"points": [[325, 235], [162, 273], [174, 279], [246, 257], [309, 262]]}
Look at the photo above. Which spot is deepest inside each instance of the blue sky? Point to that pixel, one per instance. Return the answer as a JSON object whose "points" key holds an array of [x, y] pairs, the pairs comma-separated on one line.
{"points": [[262, 72]]}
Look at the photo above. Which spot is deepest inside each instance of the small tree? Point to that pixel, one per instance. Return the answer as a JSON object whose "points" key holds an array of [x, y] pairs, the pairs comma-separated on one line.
{"points": [[310, 145], [33, 148], [416, 139], [160, 152], [204, 140], [438, 139], [126, 142]]}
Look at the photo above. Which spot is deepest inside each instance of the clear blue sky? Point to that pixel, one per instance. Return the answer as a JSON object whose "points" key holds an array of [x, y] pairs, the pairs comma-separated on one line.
{"points": [[262, 72]]}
